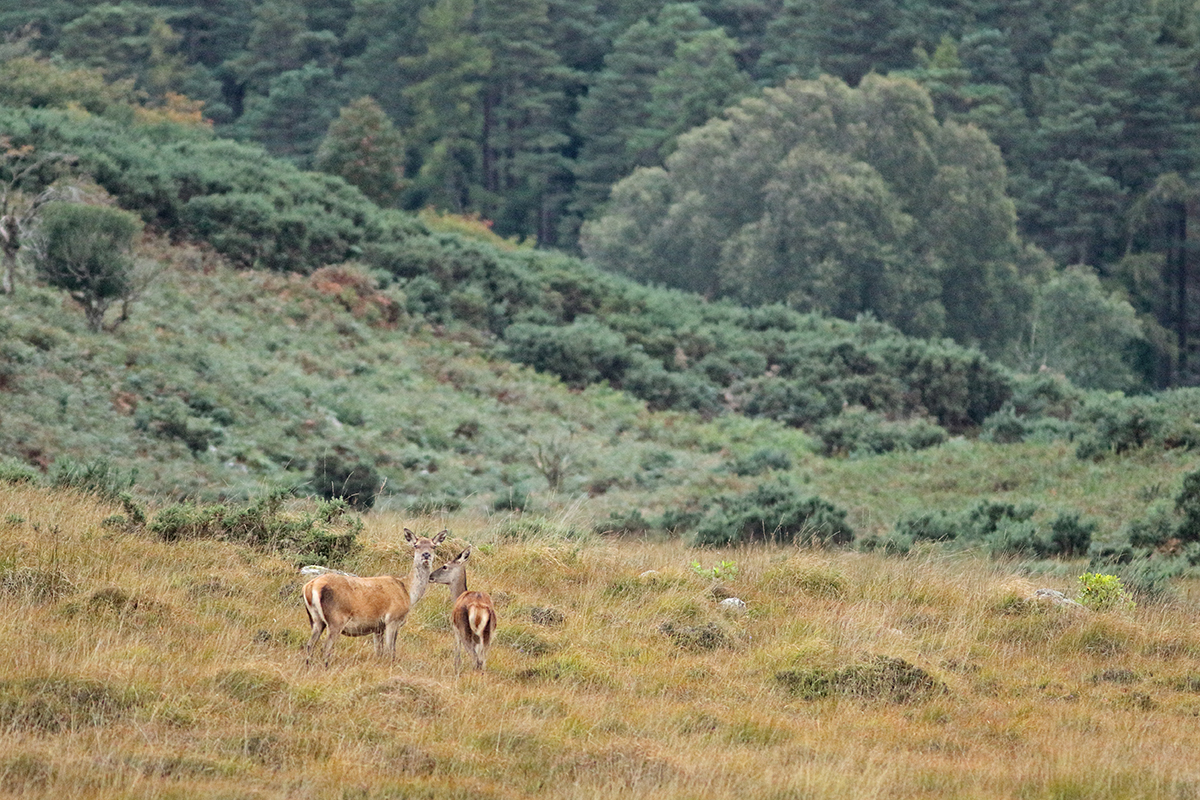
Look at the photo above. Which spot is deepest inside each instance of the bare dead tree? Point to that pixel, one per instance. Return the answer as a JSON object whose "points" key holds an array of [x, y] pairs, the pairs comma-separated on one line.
{"points": [[18, 209]]}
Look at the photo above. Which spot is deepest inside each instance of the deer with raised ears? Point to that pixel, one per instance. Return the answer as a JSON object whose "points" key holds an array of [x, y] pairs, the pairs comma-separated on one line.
{"points": [[473, 617], [347, 605]]}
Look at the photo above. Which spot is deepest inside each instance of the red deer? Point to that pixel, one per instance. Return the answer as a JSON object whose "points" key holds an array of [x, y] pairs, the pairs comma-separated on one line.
{"points": [[473, 617], [352, 606]]}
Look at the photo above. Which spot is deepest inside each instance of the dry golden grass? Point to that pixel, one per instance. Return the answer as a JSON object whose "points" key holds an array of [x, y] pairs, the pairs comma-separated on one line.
{"points": [[137, 669]]}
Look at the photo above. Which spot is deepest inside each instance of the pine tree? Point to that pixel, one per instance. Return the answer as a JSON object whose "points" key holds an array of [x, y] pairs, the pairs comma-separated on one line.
{"points": [[1112, 119], [524, 135], [663, 77], [445, 96], [364, 147]]}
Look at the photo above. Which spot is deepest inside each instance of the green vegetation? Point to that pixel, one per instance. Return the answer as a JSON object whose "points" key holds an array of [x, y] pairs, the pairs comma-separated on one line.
{"points": [[1104, 593], [313, 368], [967, 151], [842, 212], [85, 250]]}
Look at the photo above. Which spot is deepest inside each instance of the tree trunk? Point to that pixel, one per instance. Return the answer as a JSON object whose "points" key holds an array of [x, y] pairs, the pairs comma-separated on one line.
{"points": [[10, 243], [1180, 263]]}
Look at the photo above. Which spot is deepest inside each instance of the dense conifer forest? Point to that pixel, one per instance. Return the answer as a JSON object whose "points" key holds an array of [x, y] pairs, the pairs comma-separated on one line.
{"points": [[1033, 162]]}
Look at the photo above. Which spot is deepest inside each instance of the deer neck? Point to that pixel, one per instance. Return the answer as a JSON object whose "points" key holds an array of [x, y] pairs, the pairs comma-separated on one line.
{"points": [[458, 586], [417, 585]]}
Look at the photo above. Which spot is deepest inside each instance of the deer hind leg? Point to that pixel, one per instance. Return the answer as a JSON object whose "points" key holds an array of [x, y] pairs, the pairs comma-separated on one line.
{"points": [[481, 648], [388, 639], [318, 627], [481, 654], [335, 630], [460, 644]]}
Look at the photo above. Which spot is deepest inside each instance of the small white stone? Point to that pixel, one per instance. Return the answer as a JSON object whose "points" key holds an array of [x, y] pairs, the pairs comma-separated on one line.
{"points": [[732, 604]]}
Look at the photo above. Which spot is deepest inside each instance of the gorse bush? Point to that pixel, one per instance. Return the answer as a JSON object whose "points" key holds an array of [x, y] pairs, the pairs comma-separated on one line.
{"points": [[775, 511], [1001, 528], [324, 533], [1117, 424], [761, 461], [1100, 423], [99, 477], [173, 418], [355, 482], [857, 432], [16, 472]]}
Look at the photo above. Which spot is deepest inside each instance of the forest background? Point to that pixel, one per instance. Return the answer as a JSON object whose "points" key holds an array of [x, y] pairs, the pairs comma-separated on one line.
{"points": [[527, 114]]}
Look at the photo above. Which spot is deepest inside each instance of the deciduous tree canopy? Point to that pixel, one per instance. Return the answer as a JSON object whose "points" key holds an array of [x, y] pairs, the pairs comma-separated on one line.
{"points": [[832, 199]]}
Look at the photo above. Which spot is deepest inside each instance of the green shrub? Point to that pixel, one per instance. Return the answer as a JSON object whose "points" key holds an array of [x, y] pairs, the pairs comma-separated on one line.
{"points": [[774, 511], [1187, 506], [1003, 528], [933, 526], [98, 477], [1103, 593], [860, 432], [1151, 531], [762, 460], [173, 418], [630, 521], [581, 353], [357, 483], [1014, 537], [663, 389], [513, 499], [1150, 577], [1113, 423], [323, 534], [1070, 534], [17, 472]]}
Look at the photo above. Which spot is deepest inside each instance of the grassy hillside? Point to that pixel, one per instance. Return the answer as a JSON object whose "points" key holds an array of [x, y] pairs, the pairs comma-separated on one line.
{"points": [[142, 669], [225, 383]]}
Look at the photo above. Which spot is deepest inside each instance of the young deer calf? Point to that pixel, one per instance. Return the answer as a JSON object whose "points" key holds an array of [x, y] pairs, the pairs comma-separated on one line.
{"points": [[473, 617], [352, 606]]}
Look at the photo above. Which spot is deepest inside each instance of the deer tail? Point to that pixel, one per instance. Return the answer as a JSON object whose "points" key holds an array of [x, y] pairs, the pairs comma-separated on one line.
{"points": [[312, 603], [478, 618]]}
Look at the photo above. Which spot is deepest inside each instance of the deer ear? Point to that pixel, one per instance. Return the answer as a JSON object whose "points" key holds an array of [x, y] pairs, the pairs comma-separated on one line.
{"points": [[409, 536], [441, 537], [464, 555]]}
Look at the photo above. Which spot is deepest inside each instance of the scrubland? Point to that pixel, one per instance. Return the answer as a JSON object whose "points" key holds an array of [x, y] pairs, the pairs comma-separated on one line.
{"points": [[137, 668]]}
